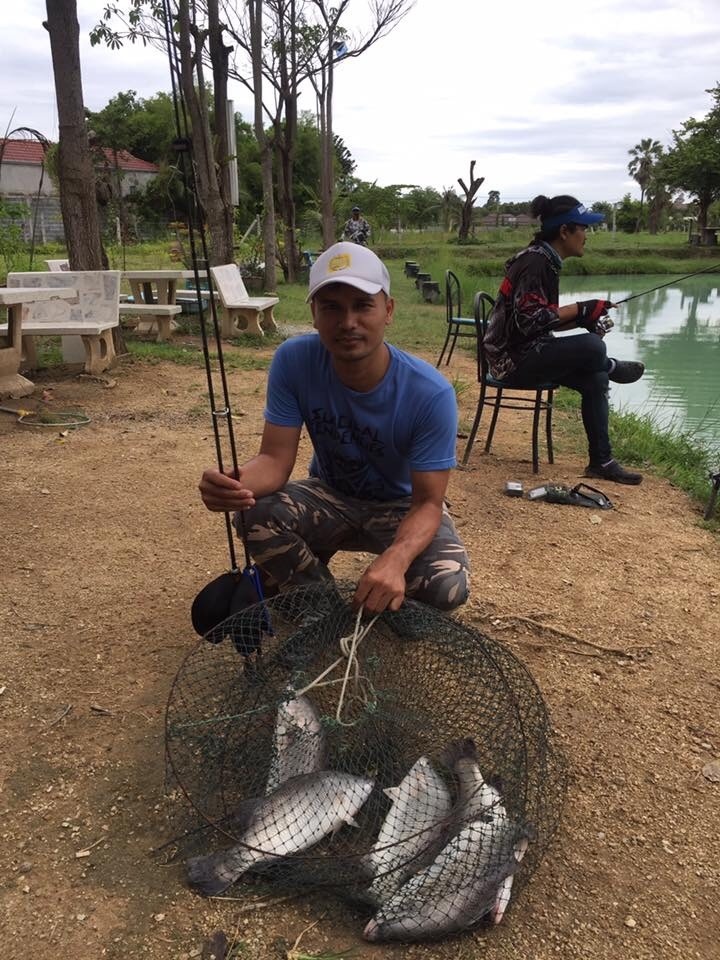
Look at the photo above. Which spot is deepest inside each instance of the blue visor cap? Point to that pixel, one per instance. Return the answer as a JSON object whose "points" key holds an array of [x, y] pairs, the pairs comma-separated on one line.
{"points": [[579, 214]]}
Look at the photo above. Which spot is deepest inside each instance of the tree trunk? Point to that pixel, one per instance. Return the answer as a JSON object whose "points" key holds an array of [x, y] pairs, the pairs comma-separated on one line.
{"points": [[206, 179], [286, 134], [469, 202], [268, 219], [75, 169], [328, 216], [220, 56]]}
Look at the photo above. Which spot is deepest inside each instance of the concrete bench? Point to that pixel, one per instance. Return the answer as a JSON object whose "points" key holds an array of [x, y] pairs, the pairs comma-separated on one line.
{"points": [[241, 313], [90, 318], [151, 315], [58, 265]]}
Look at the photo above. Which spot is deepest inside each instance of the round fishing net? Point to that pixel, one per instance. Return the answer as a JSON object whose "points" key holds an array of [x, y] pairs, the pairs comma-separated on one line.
{"points": [[406, 762]]}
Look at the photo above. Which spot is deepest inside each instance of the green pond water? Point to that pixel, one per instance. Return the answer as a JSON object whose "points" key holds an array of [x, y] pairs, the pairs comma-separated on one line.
{"points": [[675, 331]]}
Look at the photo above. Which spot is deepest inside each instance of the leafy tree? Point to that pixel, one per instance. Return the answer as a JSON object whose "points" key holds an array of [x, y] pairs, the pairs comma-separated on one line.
{"points": [[450, 209], [645, 155], [693, 161], [195, 44], [626, 214], [493, 204], [602, 206], [421, 206], [146, 128]]}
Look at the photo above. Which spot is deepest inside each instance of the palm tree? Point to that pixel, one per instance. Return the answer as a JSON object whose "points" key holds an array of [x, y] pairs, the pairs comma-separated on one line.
{"points": [[644, 157]]}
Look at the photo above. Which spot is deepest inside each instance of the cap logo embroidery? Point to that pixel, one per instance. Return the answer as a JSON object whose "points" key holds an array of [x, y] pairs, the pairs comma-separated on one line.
{"points": [[339, 262]]}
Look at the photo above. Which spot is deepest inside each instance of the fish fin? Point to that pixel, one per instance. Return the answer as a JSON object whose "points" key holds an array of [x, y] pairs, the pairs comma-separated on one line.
{"points": [[462, 749], [502, 899], [206, 876], [521, 848]]}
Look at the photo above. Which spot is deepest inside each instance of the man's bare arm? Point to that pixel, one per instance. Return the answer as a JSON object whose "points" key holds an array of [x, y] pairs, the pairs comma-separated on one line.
{"points": [[265, 473], [382, 586]]}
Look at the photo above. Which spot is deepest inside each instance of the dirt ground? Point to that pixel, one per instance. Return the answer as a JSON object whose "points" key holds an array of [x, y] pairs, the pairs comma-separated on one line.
{"points": [[104, 545]]}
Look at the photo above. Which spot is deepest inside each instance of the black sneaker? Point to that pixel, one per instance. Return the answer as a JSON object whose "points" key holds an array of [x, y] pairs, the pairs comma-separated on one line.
{"points": [[612, 471], [627, 371]]}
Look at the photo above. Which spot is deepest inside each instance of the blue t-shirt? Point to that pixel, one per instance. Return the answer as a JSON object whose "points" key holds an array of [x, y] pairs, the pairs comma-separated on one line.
{"points": [[365, 444]]}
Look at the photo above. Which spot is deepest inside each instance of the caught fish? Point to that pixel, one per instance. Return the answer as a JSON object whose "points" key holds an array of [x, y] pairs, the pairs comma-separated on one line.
{"points": [[300, 813], [298, 743], [477, 799], [503, 895], [420, 807], [453, 893]]}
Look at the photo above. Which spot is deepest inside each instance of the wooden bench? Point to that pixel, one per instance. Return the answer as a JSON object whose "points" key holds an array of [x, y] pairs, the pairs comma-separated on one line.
{"points": [[91, 317], [153, 314], [241, 313]]}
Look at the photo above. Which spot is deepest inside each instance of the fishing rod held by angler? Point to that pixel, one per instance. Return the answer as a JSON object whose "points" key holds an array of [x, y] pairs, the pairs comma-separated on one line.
{"points": [[711, 269]]}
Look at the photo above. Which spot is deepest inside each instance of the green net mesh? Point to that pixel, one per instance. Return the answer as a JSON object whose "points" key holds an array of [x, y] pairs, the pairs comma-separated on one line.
{"points": [[419, 776]]}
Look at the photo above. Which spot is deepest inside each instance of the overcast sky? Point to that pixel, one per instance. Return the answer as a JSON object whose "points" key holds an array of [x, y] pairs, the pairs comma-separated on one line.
{"points": [[547, 97]]}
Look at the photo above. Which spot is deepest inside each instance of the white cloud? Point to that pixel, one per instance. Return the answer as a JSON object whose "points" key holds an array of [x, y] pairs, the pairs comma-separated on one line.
{"points": [[546, 97]]}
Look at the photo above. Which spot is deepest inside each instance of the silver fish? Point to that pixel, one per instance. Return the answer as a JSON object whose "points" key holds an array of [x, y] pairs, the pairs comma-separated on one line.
{"points": [[459, 888], [502, 898], [300, 813], [298, 743], [477, 799], [420, 807]]}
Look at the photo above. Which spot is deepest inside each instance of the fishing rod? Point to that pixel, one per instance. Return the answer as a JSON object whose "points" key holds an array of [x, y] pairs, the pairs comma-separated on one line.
{"points": [[236, 589], [711, 269]]}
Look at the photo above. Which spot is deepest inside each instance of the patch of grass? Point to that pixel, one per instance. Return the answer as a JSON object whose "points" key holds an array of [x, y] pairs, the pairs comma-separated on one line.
{"points": [[638, 439], [151, 352], [49, 351]]}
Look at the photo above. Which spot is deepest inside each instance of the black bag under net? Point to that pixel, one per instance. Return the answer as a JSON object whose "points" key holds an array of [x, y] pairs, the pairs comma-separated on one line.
{"points": [[406, 763]]}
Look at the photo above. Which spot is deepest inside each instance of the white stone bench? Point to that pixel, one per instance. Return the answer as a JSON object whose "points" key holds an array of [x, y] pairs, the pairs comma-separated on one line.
{"points": [[91, 317], [241, 313], [160, 314]]}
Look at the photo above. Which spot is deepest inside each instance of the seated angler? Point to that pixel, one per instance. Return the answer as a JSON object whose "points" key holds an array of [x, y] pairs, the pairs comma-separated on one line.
{"points": [[520, 342]]}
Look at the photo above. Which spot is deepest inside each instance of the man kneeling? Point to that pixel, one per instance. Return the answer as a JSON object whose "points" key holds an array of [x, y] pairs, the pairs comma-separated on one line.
{"points": [[383, 426]]}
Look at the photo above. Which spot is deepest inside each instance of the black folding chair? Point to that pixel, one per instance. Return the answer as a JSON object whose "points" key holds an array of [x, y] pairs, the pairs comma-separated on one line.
{"points": [[457, 325], [530, 398]]}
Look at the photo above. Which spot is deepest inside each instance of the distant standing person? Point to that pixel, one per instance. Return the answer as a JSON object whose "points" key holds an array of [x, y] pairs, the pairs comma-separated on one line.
{"points": [[520, 342], [357, 229]]}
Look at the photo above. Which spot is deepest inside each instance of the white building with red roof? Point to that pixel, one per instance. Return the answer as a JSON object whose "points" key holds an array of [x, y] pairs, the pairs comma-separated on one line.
{"points": [[26, 183], [22, 164]]}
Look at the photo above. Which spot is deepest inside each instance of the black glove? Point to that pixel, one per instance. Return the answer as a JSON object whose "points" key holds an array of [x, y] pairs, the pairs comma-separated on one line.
{"points": [[590, 311]]}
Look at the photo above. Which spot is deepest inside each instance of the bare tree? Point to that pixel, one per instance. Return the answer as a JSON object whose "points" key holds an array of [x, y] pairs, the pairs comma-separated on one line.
{"points": [[279, 51], [337, 44], [469, 202], [75, 167]]}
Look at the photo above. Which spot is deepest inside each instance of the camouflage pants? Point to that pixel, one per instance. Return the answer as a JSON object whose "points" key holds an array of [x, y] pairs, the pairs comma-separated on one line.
{"points": [[292, 534]]}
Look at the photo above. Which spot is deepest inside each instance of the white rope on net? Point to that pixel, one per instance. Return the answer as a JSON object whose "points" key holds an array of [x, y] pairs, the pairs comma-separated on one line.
{"points": [[348, 647]]}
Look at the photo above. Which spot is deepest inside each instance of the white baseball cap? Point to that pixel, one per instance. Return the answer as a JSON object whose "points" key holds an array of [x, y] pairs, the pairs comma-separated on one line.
{"points": [[349, 263]]}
